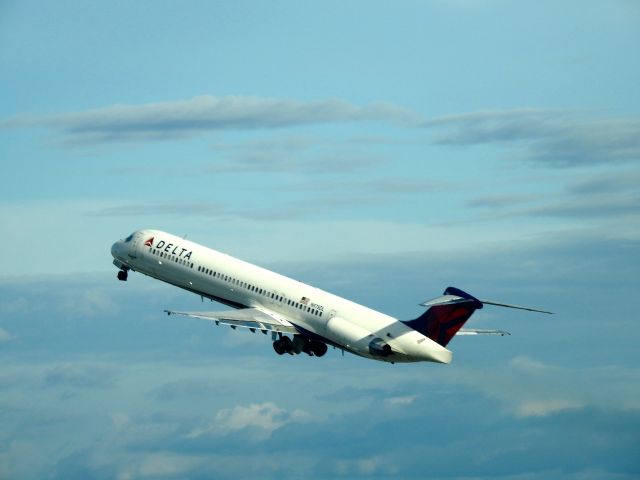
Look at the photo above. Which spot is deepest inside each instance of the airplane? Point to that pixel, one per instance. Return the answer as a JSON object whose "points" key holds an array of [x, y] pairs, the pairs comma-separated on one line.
{"points": [[300, 318]]}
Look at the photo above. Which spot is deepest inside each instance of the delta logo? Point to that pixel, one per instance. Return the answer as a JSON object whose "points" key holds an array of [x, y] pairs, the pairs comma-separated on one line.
{"points": [[169, 248]]}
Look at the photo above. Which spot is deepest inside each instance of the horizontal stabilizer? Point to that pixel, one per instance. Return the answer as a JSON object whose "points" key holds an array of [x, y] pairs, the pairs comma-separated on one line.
{"points": [[478, 331], [487, 302], [447, 313], [446, 300]]}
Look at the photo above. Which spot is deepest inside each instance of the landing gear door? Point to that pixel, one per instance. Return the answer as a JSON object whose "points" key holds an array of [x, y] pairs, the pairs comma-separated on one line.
{"points": [[133, 245]]}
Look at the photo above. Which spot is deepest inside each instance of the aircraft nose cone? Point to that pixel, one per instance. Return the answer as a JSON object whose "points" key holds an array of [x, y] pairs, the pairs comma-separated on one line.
{"points": [[116, 249]]}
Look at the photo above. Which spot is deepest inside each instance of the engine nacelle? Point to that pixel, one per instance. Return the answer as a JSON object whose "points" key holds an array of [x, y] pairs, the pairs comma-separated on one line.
{"points": [[356, 338], [379, 348]]}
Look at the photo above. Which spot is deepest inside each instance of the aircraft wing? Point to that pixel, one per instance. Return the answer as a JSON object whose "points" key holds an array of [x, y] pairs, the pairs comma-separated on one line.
{"points": [[250, 318]]}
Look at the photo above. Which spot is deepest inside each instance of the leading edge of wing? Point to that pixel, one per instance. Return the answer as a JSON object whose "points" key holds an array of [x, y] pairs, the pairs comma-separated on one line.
{"points": [[251, 318]]}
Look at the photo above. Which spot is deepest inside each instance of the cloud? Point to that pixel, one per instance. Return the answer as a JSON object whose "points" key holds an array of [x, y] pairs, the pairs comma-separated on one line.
{"points": [[4, 335], [292, 154], [262, 418], [270, 162], [529, 387], [188, 389], [617, 206], [401, 401], [323, 199], [365, 467], [166, 464], [164, 209], [550, 137], [497, 411], [556, 138], [606, 183], [80, 376], [542, 408], [502, 200], [610, 196], [168, 120]]}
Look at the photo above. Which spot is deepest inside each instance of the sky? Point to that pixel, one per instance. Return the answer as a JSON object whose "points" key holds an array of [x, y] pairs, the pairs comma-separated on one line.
{"points": [[379, 150]]}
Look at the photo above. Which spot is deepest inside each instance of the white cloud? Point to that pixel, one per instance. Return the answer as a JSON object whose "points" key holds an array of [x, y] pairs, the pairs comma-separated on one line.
{"points": [[264, 417], [120, 420], [542, 408], [369, 466], [167, 464], [401, 401], [530, 387], [529, 365], [89, 302]]}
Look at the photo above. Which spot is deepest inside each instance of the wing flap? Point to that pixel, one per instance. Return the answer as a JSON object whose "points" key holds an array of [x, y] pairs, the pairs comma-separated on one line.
{"points": [[251, 318]]}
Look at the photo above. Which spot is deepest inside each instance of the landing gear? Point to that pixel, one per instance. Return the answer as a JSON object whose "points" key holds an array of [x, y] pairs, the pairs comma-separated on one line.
{"points": [[298, 345], [283, 345], [122, 275], [278, 346], [318, 348]]}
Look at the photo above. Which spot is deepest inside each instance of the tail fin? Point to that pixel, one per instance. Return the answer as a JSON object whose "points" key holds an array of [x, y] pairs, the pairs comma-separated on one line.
{"points": [[446, 315]]}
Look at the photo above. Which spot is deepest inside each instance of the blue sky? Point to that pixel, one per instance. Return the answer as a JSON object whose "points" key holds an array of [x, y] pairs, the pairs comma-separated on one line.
{"points": [[378, 150]]}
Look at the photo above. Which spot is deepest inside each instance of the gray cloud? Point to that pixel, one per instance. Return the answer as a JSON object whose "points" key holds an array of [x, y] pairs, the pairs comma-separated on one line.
{"points": [[206, 210], [583, 207], [559, 138], [264, 161], [501, 200], [186, 389], [158, 121], [80, 376], [540, 404], [323, 197], [611, 195], [292, 154], [606, 183], [165, 209]]}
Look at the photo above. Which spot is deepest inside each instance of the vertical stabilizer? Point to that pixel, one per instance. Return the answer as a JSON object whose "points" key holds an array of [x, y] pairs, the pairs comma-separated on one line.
{"points": [[446, 315]]}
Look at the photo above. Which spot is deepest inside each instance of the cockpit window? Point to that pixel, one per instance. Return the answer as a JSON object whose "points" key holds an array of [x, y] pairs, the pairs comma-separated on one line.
{"points": [[128, 239]]}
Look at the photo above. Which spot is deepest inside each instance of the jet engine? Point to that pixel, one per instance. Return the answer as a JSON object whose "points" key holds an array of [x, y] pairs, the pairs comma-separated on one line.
{"points": [[357, 338]]}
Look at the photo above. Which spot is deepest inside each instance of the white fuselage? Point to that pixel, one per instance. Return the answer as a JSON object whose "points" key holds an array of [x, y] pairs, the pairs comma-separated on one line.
{"points": [[240, 284]]}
